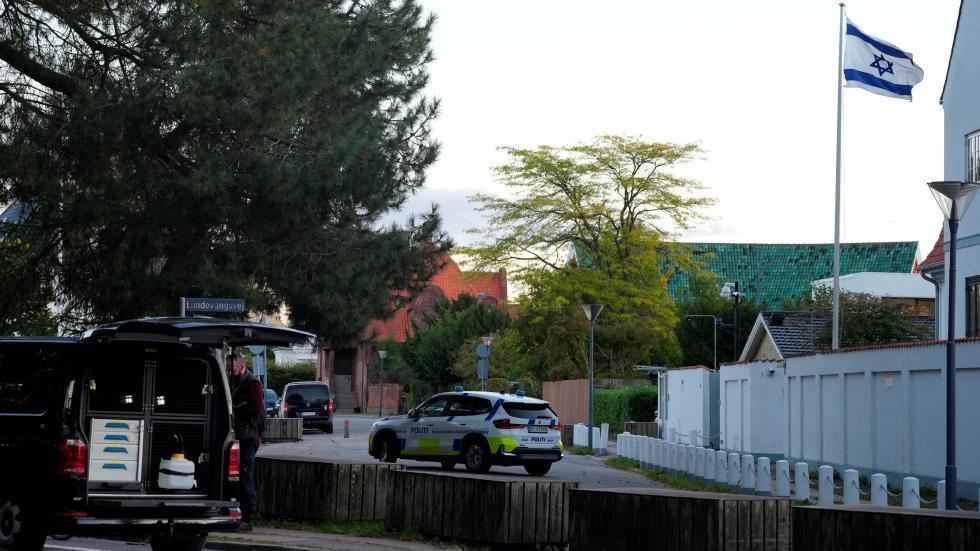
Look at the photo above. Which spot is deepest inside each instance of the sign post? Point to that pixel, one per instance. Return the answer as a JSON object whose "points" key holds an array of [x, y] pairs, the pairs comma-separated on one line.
{"points": [[483, 364]]}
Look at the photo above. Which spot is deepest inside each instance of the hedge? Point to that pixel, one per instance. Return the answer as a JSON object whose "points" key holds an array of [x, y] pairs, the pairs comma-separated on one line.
{"points": [[279, 377], [629, 403]]}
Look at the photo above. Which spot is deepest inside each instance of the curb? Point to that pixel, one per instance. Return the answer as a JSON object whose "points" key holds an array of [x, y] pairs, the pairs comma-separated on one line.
{"points": [[227, 545]]}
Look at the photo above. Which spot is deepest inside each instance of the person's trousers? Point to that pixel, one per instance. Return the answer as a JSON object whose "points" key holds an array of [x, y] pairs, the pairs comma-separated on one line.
{"points": [[246, 490]]}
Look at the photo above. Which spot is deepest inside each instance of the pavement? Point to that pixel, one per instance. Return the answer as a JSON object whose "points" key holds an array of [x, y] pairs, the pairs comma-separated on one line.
{"points": [[264, 539]]}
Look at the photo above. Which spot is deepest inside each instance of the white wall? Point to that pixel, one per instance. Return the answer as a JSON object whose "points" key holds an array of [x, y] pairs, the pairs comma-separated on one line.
{"points": [[880, 410], [688, 402]]}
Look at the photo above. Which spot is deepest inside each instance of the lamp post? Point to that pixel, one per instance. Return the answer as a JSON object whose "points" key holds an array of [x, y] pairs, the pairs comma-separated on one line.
{"points": [[730, 291], [488, 342], [953, 198], [381, 399], [591, 312], [715, 322]]}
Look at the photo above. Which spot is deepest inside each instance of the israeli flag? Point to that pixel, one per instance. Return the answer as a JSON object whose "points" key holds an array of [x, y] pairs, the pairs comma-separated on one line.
{"points": [[877, 66]]}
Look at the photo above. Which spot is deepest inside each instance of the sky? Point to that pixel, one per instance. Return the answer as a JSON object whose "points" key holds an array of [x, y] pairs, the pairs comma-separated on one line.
{"points": [[754, 83]]}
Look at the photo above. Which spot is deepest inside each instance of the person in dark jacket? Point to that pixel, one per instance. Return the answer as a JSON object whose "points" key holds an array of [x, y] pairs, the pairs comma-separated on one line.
{"points": [[248, 399]]}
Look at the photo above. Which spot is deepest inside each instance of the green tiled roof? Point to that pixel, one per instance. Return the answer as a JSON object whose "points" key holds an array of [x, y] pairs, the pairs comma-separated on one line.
{"points": [[768, 273]]}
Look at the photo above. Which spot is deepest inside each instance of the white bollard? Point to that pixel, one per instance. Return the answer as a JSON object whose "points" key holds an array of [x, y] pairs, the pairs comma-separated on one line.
{"points": [[825, 485], [721, 467], [910, 492], [941, 495], [645, 444], [879, 489], [851, 486], [748, 474], [782, 478], [802, 481], [699, 454], [661, 454], [580, 439], [692, 438], [655, 452], [681, 459], [734, 471], [763, 478], [670, 457], [596, 441], [689, 460], [672, 436], [619, 444], [631, 446], [709, 465], [604, 439]]}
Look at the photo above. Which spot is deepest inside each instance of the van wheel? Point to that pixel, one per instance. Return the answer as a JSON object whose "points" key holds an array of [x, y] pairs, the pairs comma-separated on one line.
{"points": [[193, 542], [476, 456], [18, 531], [388, 449], [538, 468]]}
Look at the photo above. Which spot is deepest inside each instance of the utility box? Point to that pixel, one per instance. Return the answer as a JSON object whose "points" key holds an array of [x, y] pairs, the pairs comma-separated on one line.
{"points": [[690, 401]]}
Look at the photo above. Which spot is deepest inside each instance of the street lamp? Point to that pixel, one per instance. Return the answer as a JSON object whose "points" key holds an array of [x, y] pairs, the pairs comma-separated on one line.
{"points": [[591, 312], [487, 341], [381, 400], [715, 322], [730, 291], [953, 198]]}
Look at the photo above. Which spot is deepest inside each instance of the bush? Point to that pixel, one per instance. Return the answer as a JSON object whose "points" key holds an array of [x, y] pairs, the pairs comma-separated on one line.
{"points": [[629, 403], [279, 377]]}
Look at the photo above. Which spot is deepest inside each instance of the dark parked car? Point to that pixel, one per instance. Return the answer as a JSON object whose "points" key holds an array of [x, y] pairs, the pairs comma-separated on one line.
{"points": [[271, 403], [86, 425], [311, 401]]}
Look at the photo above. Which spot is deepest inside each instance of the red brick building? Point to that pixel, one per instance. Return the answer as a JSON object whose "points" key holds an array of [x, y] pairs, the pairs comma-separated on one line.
{"points": [[345, 369]]}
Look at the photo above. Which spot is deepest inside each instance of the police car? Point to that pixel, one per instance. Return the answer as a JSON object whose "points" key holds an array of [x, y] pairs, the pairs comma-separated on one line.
{"points": [[478, 429]]}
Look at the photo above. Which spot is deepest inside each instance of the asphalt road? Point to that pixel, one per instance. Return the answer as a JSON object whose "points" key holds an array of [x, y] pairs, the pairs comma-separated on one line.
{"points": [[589, 472]]}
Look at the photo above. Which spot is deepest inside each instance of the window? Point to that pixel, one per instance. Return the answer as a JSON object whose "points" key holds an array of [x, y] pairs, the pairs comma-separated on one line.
{"points": [[973, 157], [31, 379], [469, 405], [314, 394], [524, 410], [433, 408], [973, 306]]}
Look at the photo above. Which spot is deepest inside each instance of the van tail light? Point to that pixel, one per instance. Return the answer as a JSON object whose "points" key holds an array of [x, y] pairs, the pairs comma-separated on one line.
{"points": [[504, 424], [234, 460], [329, 407], [285, 408], [558, 425], [72, 457]]}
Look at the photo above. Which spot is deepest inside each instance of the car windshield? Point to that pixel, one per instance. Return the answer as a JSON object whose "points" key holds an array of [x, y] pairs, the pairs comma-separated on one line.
{"points": [[307, 393], [523, 410], [271, 395]]}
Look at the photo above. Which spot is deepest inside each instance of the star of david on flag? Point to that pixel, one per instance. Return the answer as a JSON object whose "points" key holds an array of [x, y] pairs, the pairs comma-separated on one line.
{"points": [[877, 66]]}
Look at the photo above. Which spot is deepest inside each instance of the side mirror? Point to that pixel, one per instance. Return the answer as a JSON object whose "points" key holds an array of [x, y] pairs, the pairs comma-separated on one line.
{"points": [[411, 413]]}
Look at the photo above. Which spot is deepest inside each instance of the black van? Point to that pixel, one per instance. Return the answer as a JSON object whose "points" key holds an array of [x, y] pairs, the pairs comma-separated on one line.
{"points": [[85, 423]]}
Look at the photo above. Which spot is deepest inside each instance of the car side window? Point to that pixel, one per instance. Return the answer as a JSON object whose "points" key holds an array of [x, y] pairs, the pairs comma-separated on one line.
{"points": [[30, 380], [481, 406], [460, 406], [433, 408]]}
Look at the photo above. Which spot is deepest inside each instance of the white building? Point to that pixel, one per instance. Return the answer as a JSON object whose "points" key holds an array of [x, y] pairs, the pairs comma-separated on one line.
{"points": [[961, 110]]}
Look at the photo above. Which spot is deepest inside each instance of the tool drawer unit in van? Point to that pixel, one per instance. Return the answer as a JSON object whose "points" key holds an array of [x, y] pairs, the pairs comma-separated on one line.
{"points": [[117, 450]]}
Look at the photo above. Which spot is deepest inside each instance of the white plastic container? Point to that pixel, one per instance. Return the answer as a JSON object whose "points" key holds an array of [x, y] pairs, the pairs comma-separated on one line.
{"points": [[176, 473]]}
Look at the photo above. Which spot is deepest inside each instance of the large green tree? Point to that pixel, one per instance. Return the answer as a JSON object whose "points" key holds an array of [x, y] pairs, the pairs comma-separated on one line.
{"points": [[593, 223], [239, 148], [696, 335]]}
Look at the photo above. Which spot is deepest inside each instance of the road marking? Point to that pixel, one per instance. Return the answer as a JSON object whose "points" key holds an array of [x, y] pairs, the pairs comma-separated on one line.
{"points": [[69, 548]]}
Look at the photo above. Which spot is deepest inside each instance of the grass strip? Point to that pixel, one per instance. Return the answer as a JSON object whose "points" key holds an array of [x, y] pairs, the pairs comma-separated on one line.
{"points": [[676, 481]]}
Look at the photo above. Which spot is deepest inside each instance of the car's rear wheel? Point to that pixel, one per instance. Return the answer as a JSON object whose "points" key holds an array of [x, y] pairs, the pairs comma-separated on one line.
{"points": [[19, 531], [448, 464], [476, 456], [327, 428], [193, 542], [538, 468], [388, 449]]}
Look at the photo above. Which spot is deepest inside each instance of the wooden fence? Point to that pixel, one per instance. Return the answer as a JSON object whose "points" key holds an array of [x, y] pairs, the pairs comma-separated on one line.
{"points": [[487, 509], [630, 519], [871, 528], [310, 489], [642, 428], [283, 430]]}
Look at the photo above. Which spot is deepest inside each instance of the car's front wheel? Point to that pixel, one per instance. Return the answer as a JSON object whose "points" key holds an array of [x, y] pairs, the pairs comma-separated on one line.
{"points": [[19, 531], [388, 449], [194, 542], [538, 468], [476, 456]]}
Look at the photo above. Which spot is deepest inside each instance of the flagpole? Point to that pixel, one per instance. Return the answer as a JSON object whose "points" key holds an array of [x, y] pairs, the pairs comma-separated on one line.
{"points": [[835, 344]]}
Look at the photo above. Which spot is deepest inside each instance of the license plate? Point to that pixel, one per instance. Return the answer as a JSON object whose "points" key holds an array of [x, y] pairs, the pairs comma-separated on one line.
{"points": [[307, 413], [536, 428]]}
